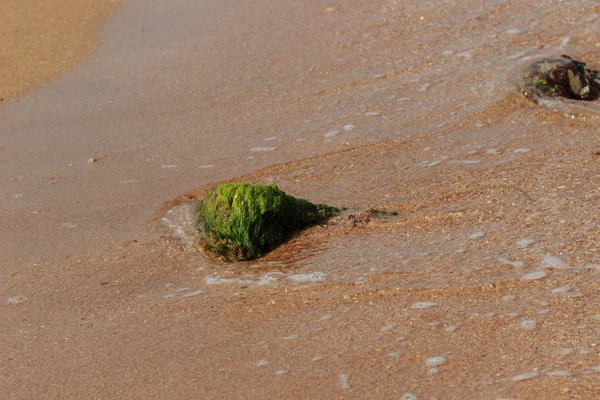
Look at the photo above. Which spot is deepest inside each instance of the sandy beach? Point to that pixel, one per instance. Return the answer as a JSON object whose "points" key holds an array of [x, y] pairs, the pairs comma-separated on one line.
{"points": [[484, 286], [40, 40]]}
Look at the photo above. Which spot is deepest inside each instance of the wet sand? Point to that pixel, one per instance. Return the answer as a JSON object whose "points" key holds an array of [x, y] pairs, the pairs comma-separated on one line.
{"points": [[485, 286]]}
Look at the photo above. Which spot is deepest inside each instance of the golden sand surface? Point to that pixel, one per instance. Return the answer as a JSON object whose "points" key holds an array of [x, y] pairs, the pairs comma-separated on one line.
{"points": [[41, 39], [486, 285]]}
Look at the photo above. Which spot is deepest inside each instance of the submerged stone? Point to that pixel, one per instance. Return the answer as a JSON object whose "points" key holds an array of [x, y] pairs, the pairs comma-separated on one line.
{"points": [[243, 221], [560, 76]]}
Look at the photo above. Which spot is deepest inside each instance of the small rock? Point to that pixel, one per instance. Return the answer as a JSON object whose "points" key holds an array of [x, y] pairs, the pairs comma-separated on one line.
{"points": [[559, 76], [91, 160]]}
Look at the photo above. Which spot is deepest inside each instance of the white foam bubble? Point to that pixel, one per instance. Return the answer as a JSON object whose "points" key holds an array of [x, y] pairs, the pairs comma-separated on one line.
{"points": [[262, 363], [560, 373], [436, 361], [476, 235], [592, 370], [217, 280], [408, 396], [281, 372], [270, 277], [423, 304], [534, 275], [17, 299], [193, 293], [309, 277], [372, 113], [523, 377], [523, 243], [262, 149], [424, 86], [553, 262], [528, 324], [451, 328], [331, 134], [349, 127], [516, 264], [345, 381], [432, 163], [562, 289], [564, 351]]}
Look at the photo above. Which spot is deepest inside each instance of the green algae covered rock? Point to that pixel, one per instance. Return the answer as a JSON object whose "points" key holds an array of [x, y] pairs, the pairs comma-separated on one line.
{"points": [[244, 221], [560, 76]]}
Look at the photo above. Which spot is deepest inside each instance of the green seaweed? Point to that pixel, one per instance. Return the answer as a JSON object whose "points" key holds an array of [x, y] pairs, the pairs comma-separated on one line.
{"points": [[244, 221]]}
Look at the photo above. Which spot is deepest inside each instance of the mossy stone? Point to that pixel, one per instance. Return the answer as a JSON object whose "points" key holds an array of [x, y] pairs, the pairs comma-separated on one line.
{"points": [[244, 221], [560, 76]]}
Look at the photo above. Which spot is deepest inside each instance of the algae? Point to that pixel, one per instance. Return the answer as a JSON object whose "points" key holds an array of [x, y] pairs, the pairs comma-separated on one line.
{"points": [[244, 221], [560, 76]]}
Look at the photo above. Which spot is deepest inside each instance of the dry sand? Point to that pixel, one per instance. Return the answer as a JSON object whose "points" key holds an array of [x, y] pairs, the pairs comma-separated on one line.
{"points": [[41, 39], [485, 286]]}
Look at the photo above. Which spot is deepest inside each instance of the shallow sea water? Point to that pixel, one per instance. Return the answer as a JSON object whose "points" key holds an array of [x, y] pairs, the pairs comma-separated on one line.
{"points": [[438, 133]]}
